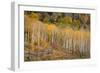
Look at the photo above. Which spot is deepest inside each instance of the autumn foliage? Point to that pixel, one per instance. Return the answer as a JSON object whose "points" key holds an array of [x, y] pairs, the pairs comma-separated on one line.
{"points": [[61, 38]]}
